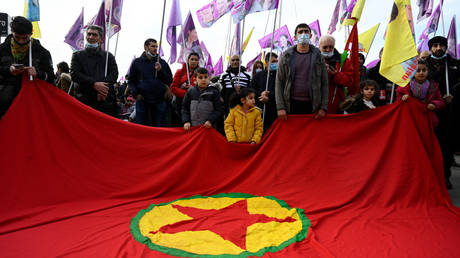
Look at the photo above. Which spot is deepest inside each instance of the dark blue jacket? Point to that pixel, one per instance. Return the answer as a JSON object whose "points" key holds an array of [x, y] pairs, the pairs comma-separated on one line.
{"points": [[144, 81]]}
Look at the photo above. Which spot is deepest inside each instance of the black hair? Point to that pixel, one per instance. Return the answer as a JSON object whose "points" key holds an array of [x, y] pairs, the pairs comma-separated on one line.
{"points": [[362, 56], [269, 55], [63, 66], [423, 62], [193, 54], [21, 25], [148, 41], [202, 70], [368, 83], [302, 25], [236, 98], [99, 30]]}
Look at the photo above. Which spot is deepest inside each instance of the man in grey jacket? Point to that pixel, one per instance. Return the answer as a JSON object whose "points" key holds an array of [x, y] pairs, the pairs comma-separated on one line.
{"points": [[301, 85]]}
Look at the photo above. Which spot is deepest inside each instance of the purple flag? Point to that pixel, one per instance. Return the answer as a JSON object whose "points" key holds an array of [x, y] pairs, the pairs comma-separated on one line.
{"points": [[100, 21], [175, 19], [210, 13], [423, 46], [246, 7], [452, 39], [348, 11], [75, 37], [281, 41], [191, 44], [219, 67], [334, 19], [207, 60], [251, 63], [115, 23], [425, 9], [372, 63], [315, 33], [235, 47], [432, 24]]}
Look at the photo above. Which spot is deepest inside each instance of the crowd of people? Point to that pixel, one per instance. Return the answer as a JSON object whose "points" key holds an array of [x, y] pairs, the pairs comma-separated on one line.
{"points": [[303, 79]]}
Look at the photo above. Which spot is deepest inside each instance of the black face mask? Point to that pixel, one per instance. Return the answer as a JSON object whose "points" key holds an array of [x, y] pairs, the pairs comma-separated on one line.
{"points": [[23, 44]]}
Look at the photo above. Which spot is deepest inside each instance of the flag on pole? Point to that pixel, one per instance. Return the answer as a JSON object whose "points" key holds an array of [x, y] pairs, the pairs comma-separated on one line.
{"points": [[425, 9], [246, 41], [35, 28], [75, 37], [399, 57], [175, 19], [235, 47], [33, 10], [432, 24], [452, 39], [207, 60], [354, 57], [219, 67], [210, 13], [115, 21], [335, 18], [366, 38], [347, 11], [315, 33], [99, 20], [423, 46], [251, 63], [281, 40], [355, 14], [192, 43], [246, 7]]}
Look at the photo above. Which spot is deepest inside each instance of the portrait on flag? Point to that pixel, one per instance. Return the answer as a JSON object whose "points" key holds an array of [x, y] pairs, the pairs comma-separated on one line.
{"points": [[243, 8], [188, 39], [315, 33], [281, 41], [210, 13]]}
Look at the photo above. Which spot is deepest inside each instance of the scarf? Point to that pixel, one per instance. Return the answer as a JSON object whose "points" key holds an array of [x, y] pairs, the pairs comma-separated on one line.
{"points": [[420, 91], [19, 51]]}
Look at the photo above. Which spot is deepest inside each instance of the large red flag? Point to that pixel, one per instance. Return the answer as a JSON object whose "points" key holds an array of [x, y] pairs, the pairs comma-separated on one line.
{"points": [[362, 185]]}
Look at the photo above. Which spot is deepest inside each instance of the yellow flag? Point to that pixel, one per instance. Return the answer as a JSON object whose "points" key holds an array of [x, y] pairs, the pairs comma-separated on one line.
{"points": [[366, 38], [246, 41], [35, 28], [399, 61], [356, 14]]}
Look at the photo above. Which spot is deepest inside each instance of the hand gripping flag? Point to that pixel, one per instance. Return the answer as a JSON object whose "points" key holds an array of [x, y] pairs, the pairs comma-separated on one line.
{"points": [[399, 57], [366, 38], [75, 37], [355, 14], [452, 39], [175, 19]]}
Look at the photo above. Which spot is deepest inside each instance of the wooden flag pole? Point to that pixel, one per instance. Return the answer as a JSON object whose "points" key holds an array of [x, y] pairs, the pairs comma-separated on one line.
{"points": [[269, 61]]}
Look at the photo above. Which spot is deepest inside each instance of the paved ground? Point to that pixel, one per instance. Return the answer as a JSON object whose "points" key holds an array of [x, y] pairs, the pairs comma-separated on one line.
{"points": [[455, 179]]}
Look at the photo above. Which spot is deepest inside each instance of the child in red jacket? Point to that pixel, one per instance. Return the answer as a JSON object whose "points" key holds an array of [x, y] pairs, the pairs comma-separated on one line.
{"points": [[424, 90]]}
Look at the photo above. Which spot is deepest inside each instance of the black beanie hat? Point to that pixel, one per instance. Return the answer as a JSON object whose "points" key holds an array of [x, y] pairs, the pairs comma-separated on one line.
{"points": [[21, 25], [437, 39]]}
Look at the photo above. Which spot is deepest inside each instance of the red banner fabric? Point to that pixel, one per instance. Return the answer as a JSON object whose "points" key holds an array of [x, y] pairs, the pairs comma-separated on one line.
{"points": [[72, 179]]}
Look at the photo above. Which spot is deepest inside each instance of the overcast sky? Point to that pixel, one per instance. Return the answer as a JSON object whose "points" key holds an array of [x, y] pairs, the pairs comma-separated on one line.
{"points": [[141, 19]]}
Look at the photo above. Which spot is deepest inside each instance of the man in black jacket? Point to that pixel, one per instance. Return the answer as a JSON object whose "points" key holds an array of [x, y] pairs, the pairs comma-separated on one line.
{"points": [[149, 78], [94, 87], [446, 131], [266, 96], [14, 61]]}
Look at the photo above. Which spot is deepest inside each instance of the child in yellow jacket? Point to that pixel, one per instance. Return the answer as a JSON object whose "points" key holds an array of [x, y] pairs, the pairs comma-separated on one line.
{"points": [[244, 123]]}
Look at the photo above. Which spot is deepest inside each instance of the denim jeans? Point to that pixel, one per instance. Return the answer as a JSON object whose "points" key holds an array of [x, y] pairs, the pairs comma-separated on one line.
{"points": [[151, 113]]}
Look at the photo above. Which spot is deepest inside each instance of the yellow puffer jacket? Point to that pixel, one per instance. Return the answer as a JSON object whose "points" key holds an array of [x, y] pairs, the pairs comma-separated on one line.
{"points": [[241, 127]]}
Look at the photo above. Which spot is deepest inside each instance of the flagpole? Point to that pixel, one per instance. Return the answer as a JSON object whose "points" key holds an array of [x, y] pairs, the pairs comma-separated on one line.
{"points": [[444, 35], [30, 57], [107, 31], [227, 40], [392, 93], [269, 61], [116, 45], [185, 58], [161, 35], [280, 6], [241, 52]]}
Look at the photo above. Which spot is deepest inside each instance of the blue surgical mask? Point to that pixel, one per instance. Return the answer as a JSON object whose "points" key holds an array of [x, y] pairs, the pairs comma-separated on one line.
{"points": [[303, 39], [273, 67], [258, 70], [438, 57], [94, 45], [327, 54], [152, 55]]}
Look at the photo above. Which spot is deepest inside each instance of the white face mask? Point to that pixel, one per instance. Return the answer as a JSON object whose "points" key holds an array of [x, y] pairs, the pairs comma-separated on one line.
{"points": [[303, 39], [94, 45], [439, 57], [327, 54]]}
